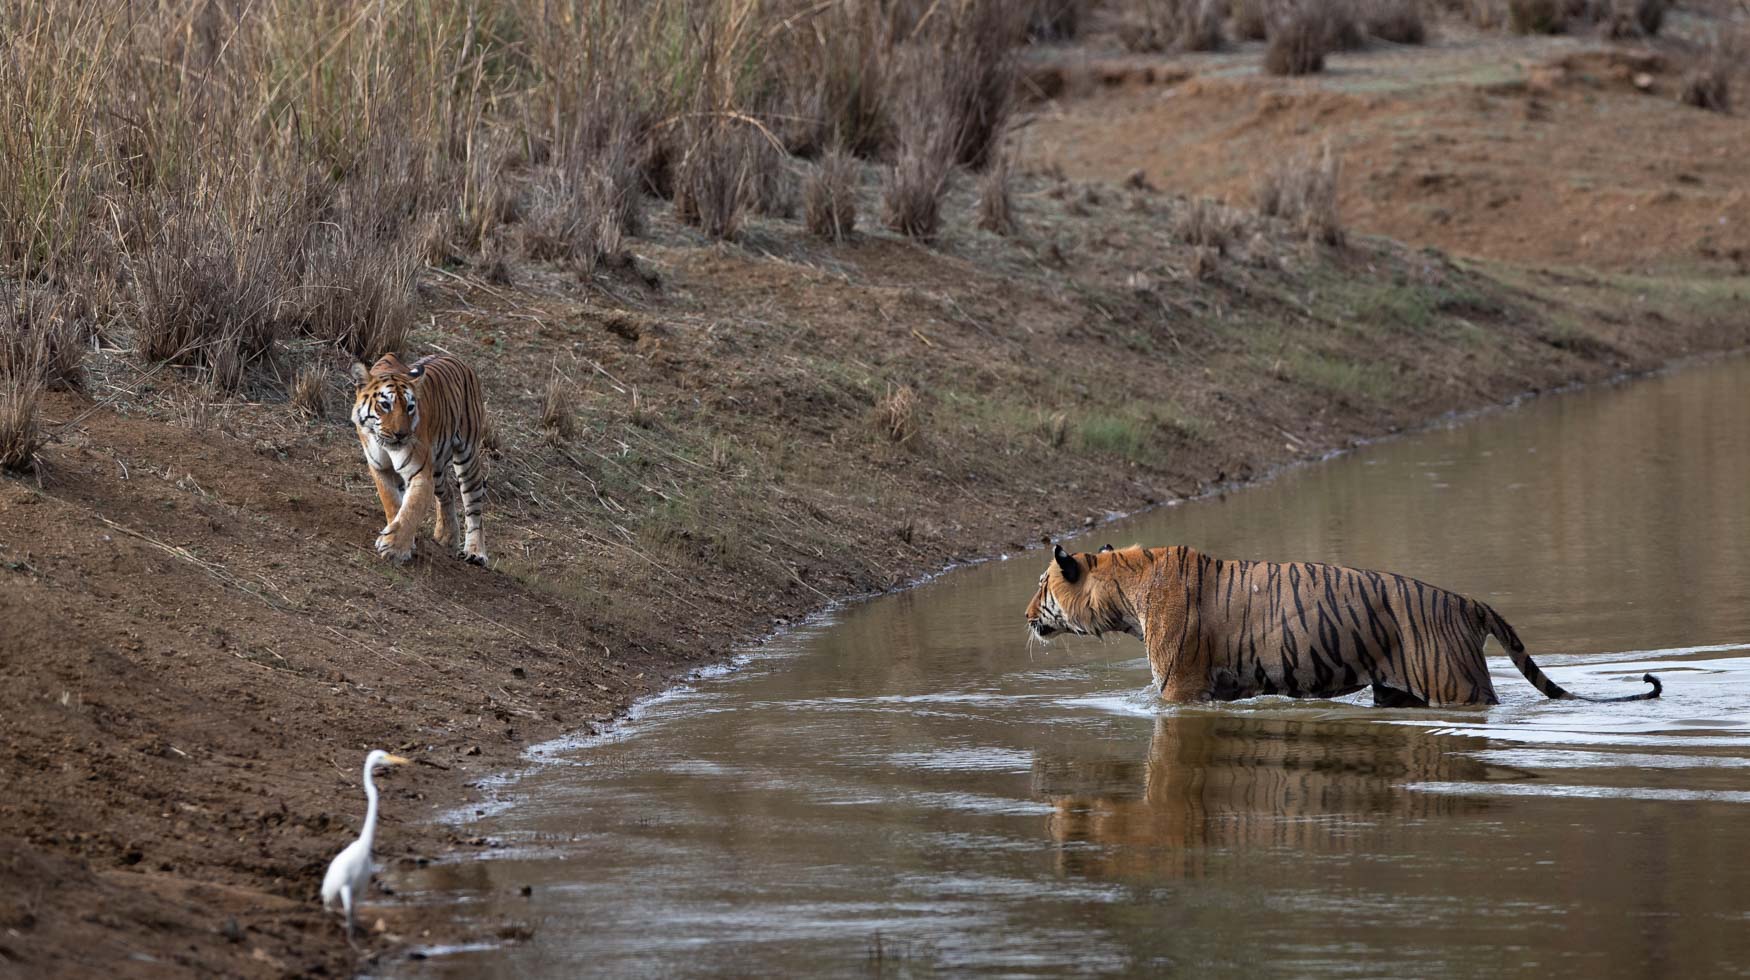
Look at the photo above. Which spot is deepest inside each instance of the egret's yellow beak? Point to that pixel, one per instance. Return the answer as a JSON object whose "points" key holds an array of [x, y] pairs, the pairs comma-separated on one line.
{"points": [[396, 760]]}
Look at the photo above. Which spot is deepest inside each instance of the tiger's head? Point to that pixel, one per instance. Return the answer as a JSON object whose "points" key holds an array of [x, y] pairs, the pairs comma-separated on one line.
{"points": [[385, 405], [1081, 594]]}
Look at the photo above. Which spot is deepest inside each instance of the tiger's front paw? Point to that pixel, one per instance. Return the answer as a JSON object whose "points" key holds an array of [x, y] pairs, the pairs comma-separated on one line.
{"points": [[391, 549], [475, 558]]}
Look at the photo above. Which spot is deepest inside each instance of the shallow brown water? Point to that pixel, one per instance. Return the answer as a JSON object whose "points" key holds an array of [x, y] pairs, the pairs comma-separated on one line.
{"points": [[912, 788]]}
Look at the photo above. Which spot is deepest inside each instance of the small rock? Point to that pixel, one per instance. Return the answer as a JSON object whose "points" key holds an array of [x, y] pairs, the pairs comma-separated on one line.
{"points": [[231, 931], [527, 891]]}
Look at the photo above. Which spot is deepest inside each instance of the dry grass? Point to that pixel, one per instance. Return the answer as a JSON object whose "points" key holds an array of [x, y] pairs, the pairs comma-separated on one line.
{"points": [[1537, 16], [21, 386], [1207, 223], [1343, 24], [29, 336], [1303, 191], [1251, 20], [215, 273], [558, 419], [236, 173], [309, 394], [977, 69], [196, 407], [1054, 20], [897, 417], [359, 292], [1299, 37], [1708, 85], [996, 206], [928, 142], [1396, 21], [1168, 25], [50, 327], [841, 73], [713, 184], [1623, 19], [829, 196]]}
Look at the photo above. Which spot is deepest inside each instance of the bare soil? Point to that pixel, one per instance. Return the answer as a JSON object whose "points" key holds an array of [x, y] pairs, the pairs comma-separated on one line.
{"points": [[198, 644], [1565, 150]]}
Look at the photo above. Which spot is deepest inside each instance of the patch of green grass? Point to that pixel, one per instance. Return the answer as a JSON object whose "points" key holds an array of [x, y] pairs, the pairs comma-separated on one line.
{"points": [[1341, 376], [1138, 432], [1115, 434]]}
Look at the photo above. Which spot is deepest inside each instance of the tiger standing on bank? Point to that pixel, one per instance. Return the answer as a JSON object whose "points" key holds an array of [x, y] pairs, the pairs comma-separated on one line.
{"points": [[421, 427], [1221, 630]]}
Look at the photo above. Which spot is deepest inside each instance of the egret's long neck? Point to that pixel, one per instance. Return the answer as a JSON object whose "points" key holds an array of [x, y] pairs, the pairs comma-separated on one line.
{"points": [[370, 830]]}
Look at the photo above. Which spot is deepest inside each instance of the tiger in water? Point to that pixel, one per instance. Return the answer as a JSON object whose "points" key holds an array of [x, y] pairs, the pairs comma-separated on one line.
{"points": [[421, 427], [1220, 630]]}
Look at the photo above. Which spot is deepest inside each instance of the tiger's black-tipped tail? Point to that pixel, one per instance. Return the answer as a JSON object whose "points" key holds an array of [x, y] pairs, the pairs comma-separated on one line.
{"points": [[1493, 623]]}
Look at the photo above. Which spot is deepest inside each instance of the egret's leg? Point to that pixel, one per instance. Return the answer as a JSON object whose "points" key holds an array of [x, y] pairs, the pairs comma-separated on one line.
{"points": [[346, 902]]}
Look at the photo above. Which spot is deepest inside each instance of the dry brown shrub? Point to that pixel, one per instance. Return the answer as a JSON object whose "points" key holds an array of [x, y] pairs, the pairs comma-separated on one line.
{"points": [[1488, 15], [1650, 15], [928, 139], [1205, 263], [214, 274], [20, 436], [1343, 26], [1622, 19], [1054, 428], [773, 179], [24, 361], [1303, 191], [829, 196], [577, 216], [362, 270], [1054, 20], [309, 394], [1207, 223], [195, 406], [838, 68], [558, 423], [996, 206], [1397, 21], [1708, 85], [49, 325], [1537, 16], [978, 69], [713, 183], [916, 185], [897, 415], [1251, 20], [1166, 25], [1299, 36]]}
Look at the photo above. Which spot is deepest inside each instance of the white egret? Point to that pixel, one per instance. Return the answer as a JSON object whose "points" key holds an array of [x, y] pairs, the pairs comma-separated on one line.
{"points": [[349, 874]]}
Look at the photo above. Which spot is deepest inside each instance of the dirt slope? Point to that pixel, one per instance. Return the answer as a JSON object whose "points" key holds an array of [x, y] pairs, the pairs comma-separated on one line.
{"points": [[1529, 150]]}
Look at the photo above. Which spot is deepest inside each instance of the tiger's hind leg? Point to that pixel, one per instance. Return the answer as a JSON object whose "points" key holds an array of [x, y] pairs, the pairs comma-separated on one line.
{"points": [[471, 477], [447, 524]]}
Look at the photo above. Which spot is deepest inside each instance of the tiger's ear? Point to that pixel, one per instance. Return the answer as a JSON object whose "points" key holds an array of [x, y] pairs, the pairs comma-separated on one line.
{"points": [[360, 374], [1065, 564], [416, 371], [1105, 548]]}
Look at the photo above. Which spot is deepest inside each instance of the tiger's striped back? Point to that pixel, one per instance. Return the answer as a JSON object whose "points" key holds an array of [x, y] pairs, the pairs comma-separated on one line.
{"points": [[1219, 629]]}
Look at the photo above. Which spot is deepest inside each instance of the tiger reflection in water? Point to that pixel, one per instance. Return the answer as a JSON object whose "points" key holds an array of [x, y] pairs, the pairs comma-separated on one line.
{"points": [[1218, 781]]}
